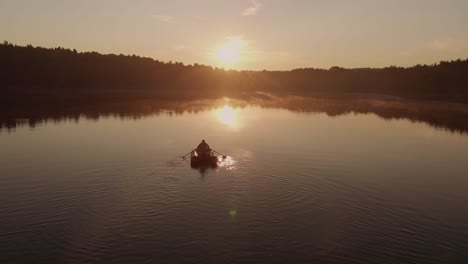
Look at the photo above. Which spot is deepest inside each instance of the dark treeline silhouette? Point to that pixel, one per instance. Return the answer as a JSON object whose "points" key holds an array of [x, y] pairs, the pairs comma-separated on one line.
{"points": [[64, 74]]}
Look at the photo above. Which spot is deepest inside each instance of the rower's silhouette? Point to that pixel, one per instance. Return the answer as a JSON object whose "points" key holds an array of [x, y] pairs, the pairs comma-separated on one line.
{"points": [[203, 148]]}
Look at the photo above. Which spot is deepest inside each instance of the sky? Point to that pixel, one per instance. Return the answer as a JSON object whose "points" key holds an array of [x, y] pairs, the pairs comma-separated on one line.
{"points": [[248, 34]]}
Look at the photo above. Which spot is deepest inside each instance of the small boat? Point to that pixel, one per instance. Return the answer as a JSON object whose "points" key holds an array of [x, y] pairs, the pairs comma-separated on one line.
{"points": [[208, 159]]}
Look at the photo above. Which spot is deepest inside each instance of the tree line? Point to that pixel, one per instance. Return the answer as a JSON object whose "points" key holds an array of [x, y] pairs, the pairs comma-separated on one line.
{"points": [[60, 72]]}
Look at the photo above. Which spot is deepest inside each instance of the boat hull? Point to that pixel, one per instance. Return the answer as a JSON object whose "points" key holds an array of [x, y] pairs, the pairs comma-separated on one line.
{"points": [[209, 161]]}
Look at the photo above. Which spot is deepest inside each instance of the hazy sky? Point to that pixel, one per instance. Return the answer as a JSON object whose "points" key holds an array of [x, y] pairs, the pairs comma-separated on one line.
{"points": [[275, 34]]}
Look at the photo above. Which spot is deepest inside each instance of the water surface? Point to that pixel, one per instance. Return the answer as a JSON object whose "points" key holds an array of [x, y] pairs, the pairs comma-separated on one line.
{"points": [[296, 187]]}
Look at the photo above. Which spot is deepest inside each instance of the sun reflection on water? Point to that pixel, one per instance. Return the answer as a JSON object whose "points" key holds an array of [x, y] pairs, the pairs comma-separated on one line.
{"points": [[227, 163], [227, 116]]}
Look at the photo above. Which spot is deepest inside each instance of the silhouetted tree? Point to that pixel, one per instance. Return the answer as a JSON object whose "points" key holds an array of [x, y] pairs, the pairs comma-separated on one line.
{"points": [[61, 72]]}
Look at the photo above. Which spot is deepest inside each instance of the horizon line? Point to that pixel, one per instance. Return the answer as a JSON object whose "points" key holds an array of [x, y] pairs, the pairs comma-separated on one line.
{"points": [[5, 42]]}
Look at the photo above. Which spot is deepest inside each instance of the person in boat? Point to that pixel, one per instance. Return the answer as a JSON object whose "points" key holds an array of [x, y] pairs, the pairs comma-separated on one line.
{"points": [[203, 149]]}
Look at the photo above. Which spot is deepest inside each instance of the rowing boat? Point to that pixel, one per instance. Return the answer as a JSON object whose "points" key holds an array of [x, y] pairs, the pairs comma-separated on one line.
{"points": [[208, 159]]}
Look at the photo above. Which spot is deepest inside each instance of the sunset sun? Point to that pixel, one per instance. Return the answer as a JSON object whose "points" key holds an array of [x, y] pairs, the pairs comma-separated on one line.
{"points": [[229, 52]]}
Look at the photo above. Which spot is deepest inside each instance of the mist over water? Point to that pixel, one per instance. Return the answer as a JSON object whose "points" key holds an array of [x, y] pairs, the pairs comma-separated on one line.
{"points": [[297, 186]]}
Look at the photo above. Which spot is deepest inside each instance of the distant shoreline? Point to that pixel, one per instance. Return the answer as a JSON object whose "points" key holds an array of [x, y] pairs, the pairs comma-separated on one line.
{"points": [[60, 73]]}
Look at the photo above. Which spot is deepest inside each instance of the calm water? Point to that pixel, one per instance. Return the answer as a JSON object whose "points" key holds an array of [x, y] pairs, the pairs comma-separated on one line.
{"points": [[296, 187]]}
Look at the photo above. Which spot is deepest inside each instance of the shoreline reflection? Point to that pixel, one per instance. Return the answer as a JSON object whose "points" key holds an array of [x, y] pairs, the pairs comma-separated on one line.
{"points": [[451, 117]]}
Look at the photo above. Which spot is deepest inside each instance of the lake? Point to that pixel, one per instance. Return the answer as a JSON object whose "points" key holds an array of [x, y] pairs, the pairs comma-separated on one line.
{"points": [[298, 185]]}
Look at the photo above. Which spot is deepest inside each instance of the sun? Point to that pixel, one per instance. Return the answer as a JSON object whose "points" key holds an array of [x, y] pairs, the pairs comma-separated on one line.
{"points": [[230, 52]]}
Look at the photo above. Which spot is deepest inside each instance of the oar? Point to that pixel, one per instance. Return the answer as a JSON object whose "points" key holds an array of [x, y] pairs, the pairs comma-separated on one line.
{"points": [[187, 154], [224, 156]]}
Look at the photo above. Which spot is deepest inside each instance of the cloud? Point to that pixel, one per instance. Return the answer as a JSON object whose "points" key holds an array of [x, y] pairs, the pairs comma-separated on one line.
{"points": [[181, 47], [441, 44], [253, 9], [448, 45], [163, 18]]}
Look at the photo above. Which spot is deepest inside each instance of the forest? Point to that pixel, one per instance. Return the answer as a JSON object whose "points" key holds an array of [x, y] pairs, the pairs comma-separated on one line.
{"points": [[61, 73]]}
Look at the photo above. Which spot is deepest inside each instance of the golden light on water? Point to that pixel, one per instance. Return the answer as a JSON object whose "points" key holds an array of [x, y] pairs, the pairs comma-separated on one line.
{"points": [[228, 163], [227, 115]]}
